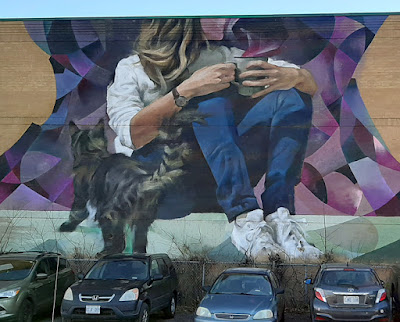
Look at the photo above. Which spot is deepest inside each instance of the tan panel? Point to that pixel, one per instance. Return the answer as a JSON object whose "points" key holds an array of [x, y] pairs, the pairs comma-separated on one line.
{"points": [[378, 78], [27, 83]]}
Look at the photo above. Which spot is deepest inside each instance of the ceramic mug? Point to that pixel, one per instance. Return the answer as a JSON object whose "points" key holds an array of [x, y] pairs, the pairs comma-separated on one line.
{"points": [[241, 64]]}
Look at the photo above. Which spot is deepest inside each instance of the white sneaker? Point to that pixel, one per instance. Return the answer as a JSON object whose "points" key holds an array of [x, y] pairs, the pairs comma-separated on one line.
{"points": [[290, 235], [253, 237]]}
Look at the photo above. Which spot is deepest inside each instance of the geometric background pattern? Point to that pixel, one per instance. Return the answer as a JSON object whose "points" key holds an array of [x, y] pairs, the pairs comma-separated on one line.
{"points": [[348, 169]]}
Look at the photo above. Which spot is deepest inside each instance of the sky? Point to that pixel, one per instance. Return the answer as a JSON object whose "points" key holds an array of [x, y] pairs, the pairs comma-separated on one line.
{"points": [[22, 9]]}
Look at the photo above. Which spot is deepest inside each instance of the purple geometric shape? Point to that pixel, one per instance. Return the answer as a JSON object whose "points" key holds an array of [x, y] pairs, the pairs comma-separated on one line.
{"points": [[24, 198], [35, 163], [391, 177], [322, 69], [66, 82], [344, 27], [370, 180], [11, 178], [322, 117], [5, 190], [84, 32], [66, 197], [343, 194], [81, 63], [383, 156], [329, 157], [344, 68]]}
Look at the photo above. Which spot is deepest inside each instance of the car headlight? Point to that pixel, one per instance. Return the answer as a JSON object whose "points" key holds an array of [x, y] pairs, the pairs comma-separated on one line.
{"points": [[68, 295], [9, 293], [130, 295], [203, 311], [264, 314]]}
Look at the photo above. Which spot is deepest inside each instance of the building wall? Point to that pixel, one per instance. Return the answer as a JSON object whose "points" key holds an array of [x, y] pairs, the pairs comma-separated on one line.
{"points": [[55, 72]]}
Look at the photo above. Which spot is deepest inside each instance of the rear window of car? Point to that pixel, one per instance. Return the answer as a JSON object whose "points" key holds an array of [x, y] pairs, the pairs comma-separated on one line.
{"points": [[13, 270], [358, 278], [248, 284], [119, 269]]}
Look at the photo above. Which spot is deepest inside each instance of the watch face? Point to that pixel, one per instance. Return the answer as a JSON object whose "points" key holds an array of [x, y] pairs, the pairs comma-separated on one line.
{"points": [[181, 101]]}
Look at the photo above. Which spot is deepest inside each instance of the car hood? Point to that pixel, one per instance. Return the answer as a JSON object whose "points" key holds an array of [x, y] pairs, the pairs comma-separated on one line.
{"points": [[236, 303], [9, 285], [105, 287]]}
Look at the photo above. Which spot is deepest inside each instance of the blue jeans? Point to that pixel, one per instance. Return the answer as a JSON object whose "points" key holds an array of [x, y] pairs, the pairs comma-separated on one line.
{"points": [[270, 139]]}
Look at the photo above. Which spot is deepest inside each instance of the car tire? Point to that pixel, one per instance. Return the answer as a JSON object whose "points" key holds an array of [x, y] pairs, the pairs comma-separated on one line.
{"points": [[25, 312], [144, 315], [169, 312]]}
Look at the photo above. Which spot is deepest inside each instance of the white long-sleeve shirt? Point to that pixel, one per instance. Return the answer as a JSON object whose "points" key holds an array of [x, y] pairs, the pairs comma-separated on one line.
{"points": [[133, 90]]}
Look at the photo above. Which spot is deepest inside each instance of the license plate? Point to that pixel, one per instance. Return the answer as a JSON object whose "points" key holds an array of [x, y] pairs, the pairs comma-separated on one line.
{"points": [[351, 300], [92, 309]]}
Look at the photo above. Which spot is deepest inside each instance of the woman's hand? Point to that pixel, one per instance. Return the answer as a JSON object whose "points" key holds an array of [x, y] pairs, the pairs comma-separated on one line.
{"points": [[208, 80], [277, 78]]}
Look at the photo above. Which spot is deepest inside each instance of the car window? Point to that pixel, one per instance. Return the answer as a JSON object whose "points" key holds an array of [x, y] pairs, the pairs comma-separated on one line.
{"points": [[274, 280], [42, 267], [12, 270], [249, 284], [119, 269], [52, 265], [163, 267], [63, 264], [356, 278], [155, 269]]}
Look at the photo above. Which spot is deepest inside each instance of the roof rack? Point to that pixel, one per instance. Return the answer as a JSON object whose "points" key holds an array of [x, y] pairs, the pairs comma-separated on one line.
{"points": [[31, 251]]}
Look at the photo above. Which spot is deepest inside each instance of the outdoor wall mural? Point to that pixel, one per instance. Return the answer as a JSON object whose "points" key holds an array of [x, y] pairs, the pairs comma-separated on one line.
{"points": [[228, 138]]}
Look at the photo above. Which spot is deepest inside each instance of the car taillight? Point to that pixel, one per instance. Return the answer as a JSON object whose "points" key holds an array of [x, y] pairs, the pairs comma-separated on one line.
{"points": [[320, 295], [381, 296]]}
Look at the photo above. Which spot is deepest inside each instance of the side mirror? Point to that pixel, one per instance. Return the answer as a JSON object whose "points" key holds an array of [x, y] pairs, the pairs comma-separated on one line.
{"points": [[206, 288], [41, 276], [280, 291], [383, 283], [157, 277], [308, 281], [80, 276]]}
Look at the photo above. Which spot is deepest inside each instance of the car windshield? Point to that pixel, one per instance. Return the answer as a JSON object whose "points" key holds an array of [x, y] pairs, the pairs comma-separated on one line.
{"points": [[348, 277], [13, 270], [248, 284], [119, 269]]}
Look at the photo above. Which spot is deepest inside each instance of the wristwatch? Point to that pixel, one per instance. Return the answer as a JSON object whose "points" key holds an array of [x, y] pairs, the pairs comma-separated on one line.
{"points": [[180, 101]]}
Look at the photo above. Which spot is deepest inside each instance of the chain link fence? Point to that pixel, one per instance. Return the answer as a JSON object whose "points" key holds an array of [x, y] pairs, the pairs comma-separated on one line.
{"points": [[193, 275]]}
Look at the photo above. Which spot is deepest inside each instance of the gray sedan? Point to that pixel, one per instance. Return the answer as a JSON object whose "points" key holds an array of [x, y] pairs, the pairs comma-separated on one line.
{"points": [[243, 294]]}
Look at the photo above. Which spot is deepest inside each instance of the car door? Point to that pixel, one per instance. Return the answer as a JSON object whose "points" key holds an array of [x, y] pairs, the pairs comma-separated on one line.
{"points": [[279, 297], [155, 290], [165, 283], [42, 288]]}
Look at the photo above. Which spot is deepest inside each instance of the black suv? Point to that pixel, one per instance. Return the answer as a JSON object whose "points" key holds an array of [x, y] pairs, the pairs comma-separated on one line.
{"points": [[349, 292], [123, 286], [28, 281]]}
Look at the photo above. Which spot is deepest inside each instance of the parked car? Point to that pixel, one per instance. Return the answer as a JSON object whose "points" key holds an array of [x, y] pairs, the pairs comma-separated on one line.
{"points": [[243, 294], [28, 281], [348, 292], [123, 286]]}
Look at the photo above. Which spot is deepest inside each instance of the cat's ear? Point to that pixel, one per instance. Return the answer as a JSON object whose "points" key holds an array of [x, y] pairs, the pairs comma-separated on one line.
{"points": [[99, 127], [73, 128]]}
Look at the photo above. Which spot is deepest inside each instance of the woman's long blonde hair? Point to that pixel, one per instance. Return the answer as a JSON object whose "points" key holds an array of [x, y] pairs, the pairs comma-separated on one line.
{"points": [[167, 46]]}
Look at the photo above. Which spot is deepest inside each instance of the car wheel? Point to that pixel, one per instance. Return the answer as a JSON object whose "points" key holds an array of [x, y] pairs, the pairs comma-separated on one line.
{"points": [[144, 313], [170, 310], [25, 312]]}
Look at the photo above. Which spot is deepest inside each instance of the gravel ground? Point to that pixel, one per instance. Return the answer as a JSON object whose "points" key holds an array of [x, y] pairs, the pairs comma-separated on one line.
{"points": [[289, 317], [185, 317]]}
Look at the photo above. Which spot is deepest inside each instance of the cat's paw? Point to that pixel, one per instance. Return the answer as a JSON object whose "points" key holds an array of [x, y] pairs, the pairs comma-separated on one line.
{"points": [[68, 226]]}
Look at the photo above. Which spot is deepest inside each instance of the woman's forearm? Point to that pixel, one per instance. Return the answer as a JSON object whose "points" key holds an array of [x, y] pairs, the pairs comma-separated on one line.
{"points": [[306, 82], [146, 123]]}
